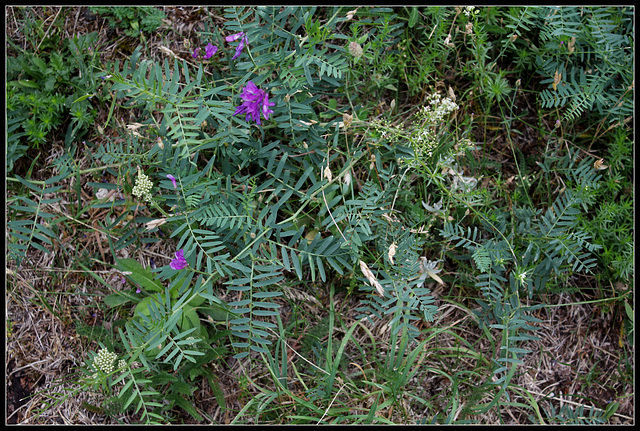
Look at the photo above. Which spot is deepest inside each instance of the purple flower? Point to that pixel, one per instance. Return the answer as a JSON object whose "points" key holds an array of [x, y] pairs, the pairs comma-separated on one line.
{"points": [[243, 41], [210, 50], [195, 52], [173, 180], [233, 37], [255, 101], [239, 48], [265, 106], [138, 290], [179, 262]]}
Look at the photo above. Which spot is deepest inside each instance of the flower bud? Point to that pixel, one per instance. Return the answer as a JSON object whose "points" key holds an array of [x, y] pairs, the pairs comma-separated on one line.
{"points": [[355, 49]]}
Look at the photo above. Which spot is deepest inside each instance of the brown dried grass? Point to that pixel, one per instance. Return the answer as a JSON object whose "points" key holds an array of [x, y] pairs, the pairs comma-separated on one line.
{"points": [[575, 340]]}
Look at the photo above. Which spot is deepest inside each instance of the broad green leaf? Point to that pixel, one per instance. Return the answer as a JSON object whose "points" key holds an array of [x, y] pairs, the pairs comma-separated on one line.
{"points": [[296, 264], [190, 320], [86, 96], [139, 275], [216, 313], [28, 83], [116, 299]]}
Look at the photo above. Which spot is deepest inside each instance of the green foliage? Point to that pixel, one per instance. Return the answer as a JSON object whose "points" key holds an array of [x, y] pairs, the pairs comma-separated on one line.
{"points": [[569, 415], [239, 223], [526, 248], [405, 299], [584, 55], [44, 88], [29, 224], [381, 65], [522, 248], [611, 224], [268, 212], [589, 53], [333, 190], [133, 20]]}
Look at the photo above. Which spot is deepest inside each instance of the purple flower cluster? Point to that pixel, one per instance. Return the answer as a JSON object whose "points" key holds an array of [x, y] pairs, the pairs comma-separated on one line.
{"points": [[254, 102], [179, 262]]}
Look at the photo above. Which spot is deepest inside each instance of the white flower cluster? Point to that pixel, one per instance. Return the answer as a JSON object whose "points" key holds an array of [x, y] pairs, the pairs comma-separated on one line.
{"points": [[104, 360], [423, 141], [423, 138], [386, 130], [122, 363], [142, 188], [437, 108], [522, 276], [468, 10]]}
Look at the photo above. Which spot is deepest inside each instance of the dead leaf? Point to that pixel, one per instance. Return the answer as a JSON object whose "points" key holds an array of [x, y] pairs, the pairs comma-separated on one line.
{"points": [[392, 252], [557, 78]]}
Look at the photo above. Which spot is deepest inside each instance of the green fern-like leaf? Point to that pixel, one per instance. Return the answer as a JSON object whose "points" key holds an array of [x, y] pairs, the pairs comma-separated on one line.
{"points": [[30, 225], [482, 258], [255, 306]]}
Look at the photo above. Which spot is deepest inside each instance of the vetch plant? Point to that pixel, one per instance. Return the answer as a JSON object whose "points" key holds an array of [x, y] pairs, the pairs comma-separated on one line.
{"points": [[210, 50], [386, 200], [179, 262], [243, 41], [173, 180], [255, 103], [253, 232]]}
